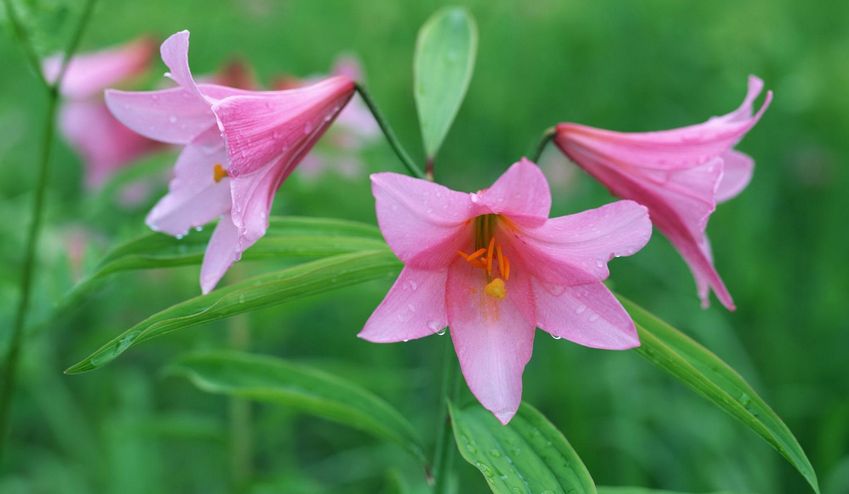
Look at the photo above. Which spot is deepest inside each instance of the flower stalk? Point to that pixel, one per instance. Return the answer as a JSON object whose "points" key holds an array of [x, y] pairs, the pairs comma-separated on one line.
{"points": [[7, 385], [443, 457], [547, 136], [390, 135]]}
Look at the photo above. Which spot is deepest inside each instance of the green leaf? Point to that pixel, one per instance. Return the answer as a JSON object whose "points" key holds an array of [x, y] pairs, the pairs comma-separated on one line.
{"points": [[698, 368], [641, 490], [300, 387], [527, 455], [286, 238], [443, 66], [266, 290]]}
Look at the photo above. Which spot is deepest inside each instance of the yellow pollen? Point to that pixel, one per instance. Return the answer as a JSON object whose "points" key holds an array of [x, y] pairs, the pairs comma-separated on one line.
{"points": [[496, 289], [219, 173]]}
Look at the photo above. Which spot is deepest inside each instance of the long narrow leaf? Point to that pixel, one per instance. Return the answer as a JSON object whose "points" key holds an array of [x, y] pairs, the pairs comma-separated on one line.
{"points": [[641, 490], [698, 368], [255, 293], [287, 238], [529, 455], [300, 387]]}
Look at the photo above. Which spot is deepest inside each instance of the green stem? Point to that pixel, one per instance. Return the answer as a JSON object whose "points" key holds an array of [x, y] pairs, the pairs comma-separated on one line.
{"points": [[240, 414], [390, 135], [443, 457], [547, 136], [7, 385]]}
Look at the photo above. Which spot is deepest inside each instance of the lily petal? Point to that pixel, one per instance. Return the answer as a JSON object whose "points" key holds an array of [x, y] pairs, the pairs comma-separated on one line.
{"points": [[169, 115], [680, 207], [175, 55], [194, 197], [413, 308], [493, 338], [522, 193], [673, 149], [252, 196], [737, 172], [585, 314], [221, 252], [575, 249], [424, 223], [260, 127]]}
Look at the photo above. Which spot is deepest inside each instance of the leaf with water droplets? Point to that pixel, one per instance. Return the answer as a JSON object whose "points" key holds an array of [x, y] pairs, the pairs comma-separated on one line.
{"points": [[707, 374], [643, 490], [286, 238], [275, 288], [300, 387], [528, 455], [444, 61]]}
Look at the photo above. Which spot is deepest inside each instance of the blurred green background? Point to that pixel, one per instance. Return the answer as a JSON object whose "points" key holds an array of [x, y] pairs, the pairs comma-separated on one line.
{"points": [[782, 248]]}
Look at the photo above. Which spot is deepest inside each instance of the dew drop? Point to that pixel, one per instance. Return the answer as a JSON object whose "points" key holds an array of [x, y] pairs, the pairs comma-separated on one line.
{"points": [[556, 337], [307, 128], [412, 285], [580, 309], [593, 317], [199, 228], [172, 119]]}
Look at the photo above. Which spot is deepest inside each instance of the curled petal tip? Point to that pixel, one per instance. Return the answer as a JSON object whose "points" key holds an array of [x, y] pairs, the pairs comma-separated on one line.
{"points": [[504, 416]]}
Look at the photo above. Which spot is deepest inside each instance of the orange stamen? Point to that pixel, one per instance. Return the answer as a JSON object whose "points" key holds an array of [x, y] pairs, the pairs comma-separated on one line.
{"points": [[219, 173], [506, 272], [474, 255]]}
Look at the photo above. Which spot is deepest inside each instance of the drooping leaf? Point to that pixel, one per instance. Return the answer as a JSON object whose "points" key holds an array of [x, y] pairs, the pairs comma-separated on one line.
{"points": [[300, 387], [642, 490], [266, 290], [286, 238], [528, 455], [443, 66], [700, 369]]}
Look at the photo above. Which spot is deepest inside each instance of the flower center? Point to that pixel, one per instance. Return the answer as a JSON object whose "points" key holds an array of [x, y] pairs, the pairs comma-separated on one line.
{"points": [[219, 173], [489, 256]]}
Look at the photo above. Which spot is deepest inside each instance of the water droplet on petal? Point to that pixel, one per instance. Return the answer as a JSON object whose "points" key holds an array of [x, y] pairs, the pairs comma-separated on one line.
{"points": [[307, 128], [593, 317], [172, 119], [580, 309]]}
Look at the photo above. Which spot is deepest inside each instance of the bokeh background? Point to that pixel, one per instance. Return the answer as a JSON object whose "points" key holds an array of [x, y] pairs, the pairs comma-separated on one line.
{"points": [[782, 248]]}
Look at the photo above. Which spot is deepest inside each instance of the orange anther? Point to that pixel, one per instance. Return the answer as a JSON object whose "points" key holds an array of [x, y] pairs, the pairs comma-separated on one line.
{"points": [[506, 272], [474, 255], [219, 173]]}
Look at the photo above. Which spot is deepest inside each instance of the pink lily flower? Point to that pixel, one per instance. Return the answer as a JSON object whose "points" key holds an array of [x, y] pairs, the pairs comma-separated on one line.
{"points": [[239, 147], [104, 143], [493, 267], [355, 128], [679, 174]]}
